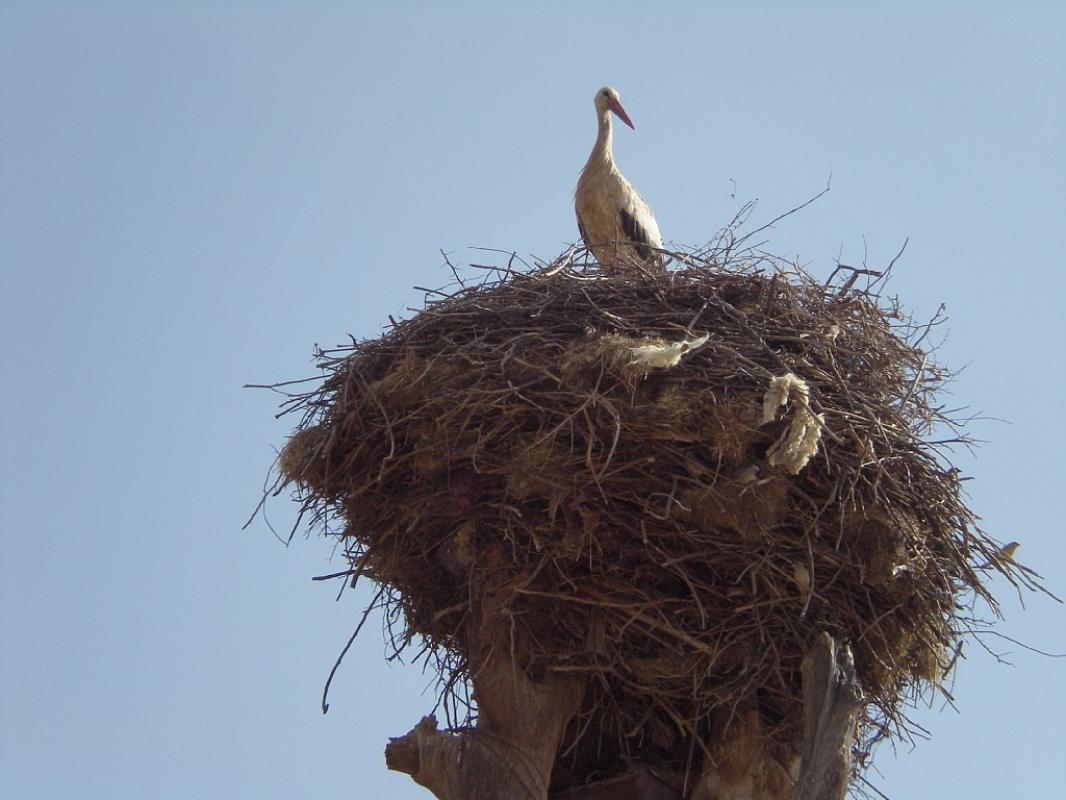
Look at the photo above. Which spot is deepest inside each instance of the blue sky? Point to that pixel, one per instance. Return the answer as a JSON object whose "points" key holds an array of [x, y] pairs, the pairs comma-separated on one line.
{"points": [[193, 194]]}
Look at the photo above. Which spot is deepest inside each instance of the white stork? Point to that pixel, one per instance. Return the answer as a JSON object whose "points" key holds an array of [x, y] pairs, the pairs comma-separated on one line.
{"points": [[615, 222]]}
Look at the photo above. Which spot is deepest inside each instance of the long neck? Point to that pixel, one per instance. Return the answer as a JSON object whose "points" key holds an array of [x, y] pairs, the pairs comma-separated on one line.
{"points": [[601, 156]]}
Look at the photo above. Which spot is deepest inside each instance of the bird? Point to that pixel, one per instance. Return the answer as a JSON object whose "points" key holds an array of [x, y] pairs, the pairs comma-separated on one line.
{"points": [[1003, 556], [614, 221]]}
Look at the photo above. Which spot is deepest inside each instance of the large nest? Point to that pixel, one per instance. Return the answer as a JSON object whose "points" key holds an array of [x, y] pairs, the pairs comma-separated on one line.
{"points": [[672, 483]]}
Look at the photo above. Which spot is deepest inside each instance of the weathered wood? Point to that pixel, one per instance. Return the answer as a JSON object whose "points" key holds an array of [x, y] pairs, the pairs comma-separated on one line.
{"points": [[509, 755], [832, 702]]}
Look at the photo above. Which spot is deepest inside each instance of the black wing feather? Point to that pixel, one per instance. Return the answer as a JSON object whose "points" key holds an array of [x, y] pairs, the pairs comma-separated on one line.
{"points": [[636, 234]]}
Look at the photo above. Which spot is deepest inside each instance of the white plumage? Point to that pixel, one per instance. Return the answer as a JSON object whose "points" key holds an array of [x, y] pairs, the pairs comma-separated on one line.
{"points": [[615, 222]]}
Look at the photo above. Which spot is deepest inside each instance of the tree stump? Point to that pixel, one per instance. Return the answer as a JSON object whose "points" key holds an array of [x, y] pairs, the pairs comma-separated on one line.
{"points": [[510, 754]]}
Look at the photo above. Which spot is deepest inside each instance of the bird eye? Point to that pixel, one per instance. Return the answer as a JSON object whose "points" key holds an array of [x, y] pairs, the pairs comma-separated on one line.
{"points": [[606, 93]]}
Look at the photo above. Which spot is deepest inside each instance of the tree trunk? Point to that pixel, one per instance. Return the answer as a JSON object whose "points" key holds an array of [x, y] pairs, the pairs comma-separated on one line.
{"points": [[510, 754], [832, 702]]}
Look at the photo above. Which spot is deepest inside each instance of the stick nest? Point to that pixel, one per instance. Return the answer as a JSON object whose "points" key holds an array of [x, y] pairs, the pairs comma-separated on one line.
{"points": [[677, 534]]}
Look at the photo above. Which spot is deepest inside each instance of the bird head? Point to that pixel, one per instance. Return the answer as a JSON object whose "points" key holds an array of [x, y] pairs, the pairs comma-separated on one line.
{"points": [[607, 100]]}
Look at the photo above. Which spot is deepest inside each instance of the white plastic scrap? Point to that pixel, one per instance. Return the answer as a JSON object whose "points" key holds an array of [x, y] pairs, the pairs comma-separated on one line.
{"points": [[663, 354], [799, 442], [777, 395]]}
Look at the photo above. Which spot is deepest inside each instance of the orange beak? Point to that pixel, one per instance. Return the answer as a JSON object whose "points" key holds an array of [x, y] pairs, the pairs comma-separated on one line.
{"points": [[620, 112]]}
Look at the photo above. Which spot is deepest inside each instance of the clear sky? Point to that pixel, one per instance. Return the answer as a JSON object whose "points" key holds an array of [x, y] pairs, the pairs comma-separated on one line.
{"points": [[193, 194]]}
